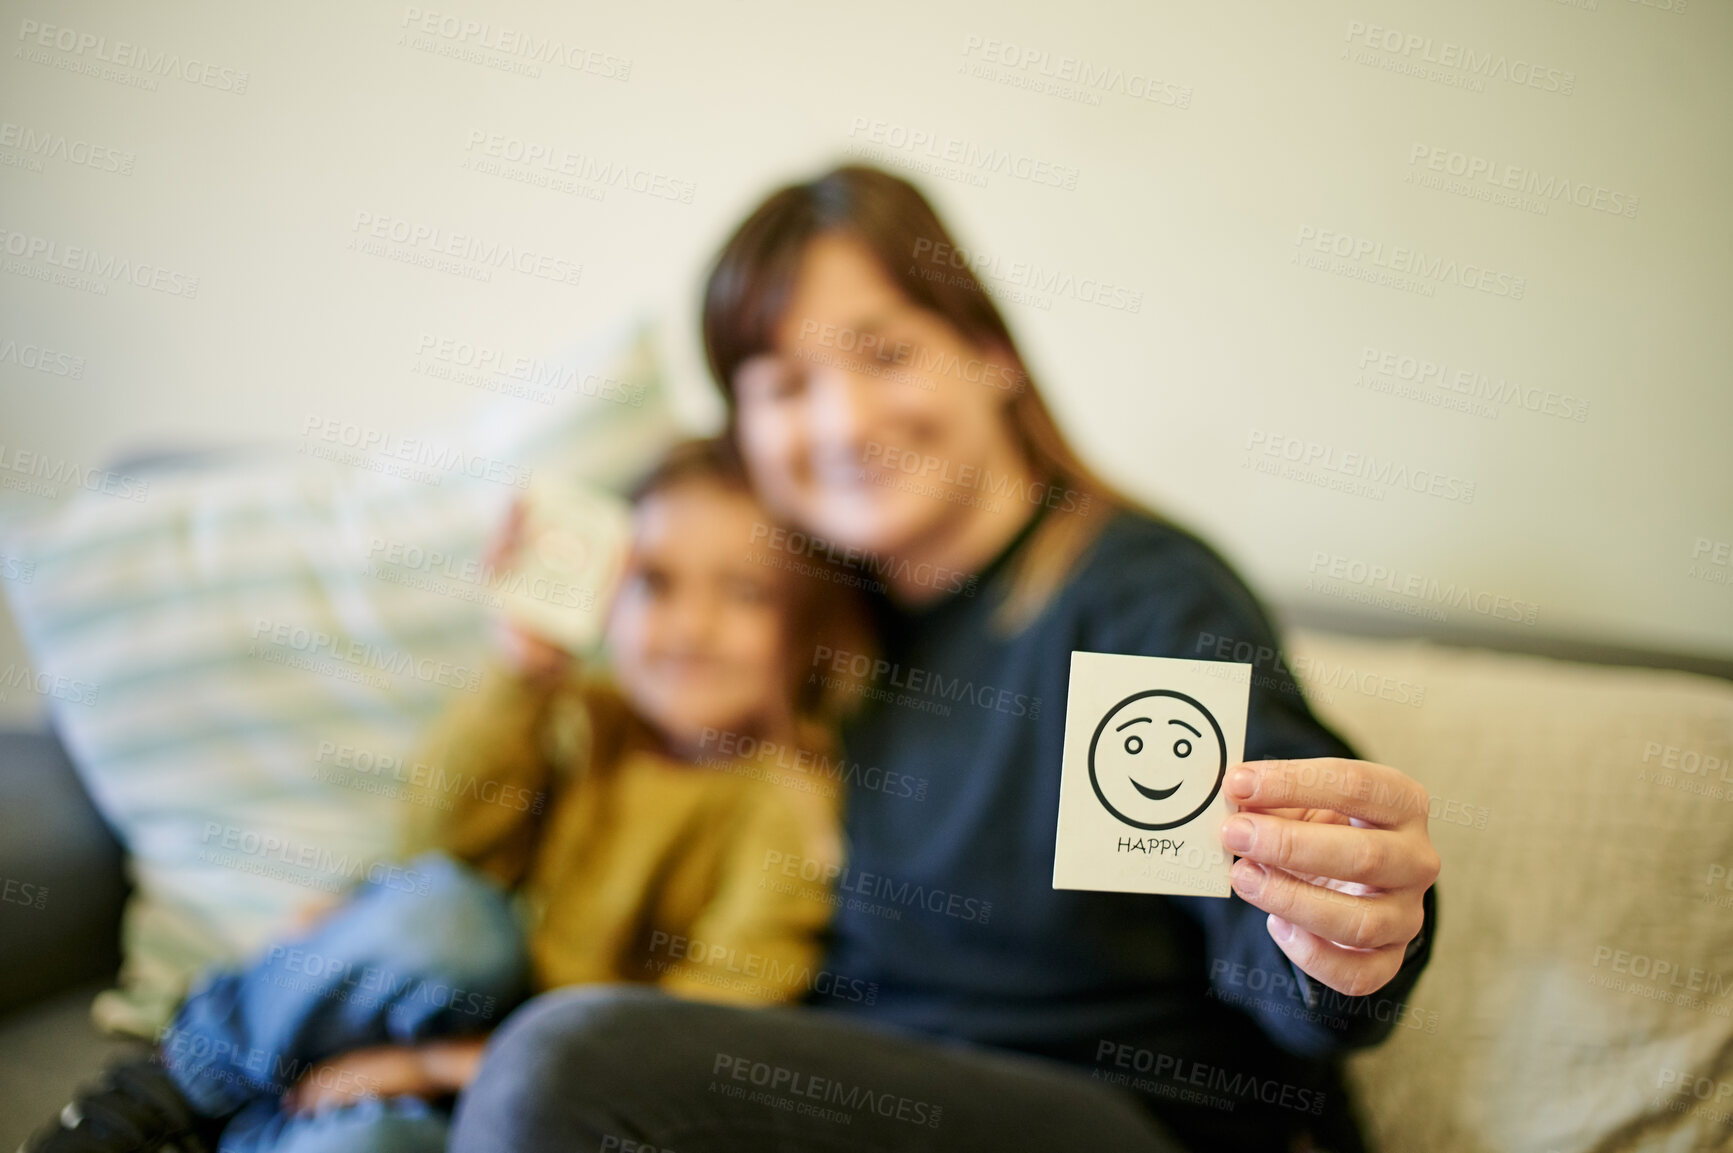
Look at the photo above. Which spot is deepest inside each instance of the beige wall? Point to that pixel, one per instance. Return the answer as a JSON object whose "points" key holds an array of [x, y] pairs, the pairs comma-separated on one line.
{"points": [[1239, 173]]}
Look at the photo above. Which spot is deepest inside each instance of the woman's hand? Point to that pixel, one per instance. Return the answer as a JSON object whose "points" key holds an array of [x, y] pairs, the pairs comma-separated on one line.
{"points": [[1336, 851], [432, 1069], [384, 1071]]}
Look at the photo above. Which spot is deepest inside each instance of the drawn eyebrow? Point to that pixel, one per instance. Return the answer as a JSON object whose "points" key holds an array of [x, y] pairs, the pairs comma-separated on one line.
{"points": [[1186, 727], [1132, 721]]}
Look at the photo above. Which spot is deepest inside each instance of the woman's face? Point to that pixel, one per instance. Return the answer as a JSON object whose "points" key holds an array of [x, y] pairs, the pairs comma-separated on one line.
{"points": [[698, 631], [871, 422]]}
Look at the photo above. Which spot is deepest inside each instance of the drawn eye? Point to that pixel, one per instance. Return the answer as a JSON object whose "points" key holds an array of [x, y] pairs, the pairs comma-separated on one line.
{"points": [[1134, 744], [1182, 748]]}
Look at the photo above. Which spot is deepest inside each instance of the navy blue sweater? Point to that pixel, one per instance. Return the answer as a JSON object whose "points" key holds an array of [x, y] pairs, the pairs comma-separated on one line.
{"points": [[947, 903]]}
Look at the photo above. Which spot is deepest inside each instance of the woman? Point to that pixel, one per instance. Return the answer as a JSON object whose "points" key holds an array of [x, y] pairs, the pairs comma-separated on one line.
{"points": [[1008, 1015]]}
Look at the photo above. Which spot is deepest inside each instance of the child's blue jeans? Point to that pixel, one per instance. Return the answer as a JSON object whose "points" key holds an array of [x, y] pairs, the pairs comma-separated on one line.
{"points": [[423, 951]]}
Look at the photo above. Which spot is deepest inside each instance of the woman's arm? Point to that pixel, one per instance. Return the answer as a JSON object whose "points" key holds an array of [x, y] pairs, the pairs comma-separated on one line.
{"points": [[1347, 863]]}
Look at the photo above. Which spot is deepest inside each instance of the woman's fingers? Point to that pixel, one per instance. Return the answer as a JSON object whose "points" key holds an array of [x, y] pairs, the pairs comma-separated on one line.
{"points": [[1379, 858], [1366, 791], [1371, 921], [1337, 852], [1351, 972]]}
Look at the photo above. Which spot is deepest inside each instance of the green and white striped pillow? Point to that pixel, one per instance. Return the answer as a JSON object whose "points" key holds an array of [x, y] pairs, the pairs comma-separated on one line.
{"points": [[248, 765]]}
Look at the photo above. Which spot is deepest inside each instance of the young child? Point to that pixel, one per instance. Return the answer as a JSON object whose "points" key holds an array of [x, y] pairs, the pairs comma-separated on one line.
{"points": [[632, 854]]}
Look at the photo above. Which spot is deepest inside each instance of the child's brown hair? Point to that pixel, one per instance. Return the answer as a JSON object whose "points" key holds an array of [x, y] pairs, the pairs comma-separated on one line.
{"points": [[825, 610]]}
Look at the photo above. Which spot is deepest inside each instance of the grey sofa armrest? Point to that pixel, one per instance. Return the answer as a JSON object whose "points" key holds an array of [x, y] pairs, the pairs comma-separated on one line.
{"points": [[62, 874]]}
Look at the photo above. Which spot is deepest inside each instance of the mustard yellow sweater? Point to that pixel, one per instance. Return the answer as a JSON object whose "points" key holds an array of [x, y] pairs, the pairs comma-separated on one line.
{"points": [[636, 867]]}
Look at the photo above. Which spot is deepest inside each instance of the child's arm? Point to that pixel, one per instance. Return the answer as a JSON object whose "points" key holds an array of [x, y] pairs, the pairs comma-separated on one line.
{"points": [[482, 777], [768, 924]]}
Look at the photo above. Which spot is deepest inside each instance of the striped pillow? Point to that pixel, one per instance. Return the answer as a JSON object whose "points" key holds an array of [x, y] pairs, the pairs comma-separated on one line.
{"points": [[251, 652]]}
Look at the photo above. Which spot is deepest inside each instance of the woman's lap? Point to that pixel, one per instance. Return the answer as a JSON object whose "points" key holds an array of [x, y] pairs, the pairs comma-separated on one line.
{"points": [[616, 1067]]}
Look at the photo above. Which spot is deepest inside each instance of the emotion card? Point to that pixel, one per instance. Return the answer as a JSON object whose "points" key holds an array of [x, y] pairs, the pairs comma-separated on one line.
{"points": [[1148, 743]]}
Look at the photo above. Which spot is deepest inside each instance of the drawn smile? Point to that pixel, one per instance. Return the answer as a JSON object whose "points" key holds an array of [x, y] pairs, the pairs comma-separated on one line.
{"points": [[1155, 794]]}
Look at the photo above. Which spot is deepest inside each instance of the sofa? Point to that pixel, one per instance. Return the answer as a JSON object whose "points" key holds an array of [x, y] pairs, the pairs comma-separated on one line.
{"points": [[189, 649], [1580, 995]]}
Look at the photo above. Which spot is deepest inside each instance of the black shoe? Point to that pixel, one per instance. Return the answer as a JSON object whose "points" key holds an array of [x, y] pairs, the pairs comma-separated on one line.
{"points": [[136, 1108]]}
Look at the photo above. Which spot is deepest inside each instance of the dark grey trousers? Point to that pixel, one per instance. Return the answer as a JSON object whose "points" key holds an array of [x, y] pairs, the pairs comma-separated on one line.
{"points": [[631, 1070]]}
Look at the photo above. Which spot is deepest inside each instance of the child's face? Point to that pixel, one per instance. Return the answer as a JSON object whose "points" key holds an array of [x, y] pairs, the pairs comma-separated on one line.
{"points": [[697, 632]]}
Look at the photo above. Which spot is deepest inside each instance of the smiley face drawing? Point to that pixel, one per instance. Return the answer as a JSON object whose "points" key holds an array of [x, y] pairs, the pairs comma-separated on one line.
{"points": [[1157, 759]]}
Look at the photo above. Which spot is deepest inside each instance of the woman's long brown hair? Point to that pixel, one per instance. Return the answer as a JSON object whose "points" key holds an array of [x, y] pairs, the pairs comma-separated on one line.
{"points": [[749, 288]]}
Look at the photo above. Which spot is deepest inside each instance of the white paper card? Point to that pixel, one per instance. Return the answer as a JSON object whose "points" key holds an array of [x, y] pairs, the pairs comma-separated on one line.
{"points": [[1142, 791], [575, 541]]}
